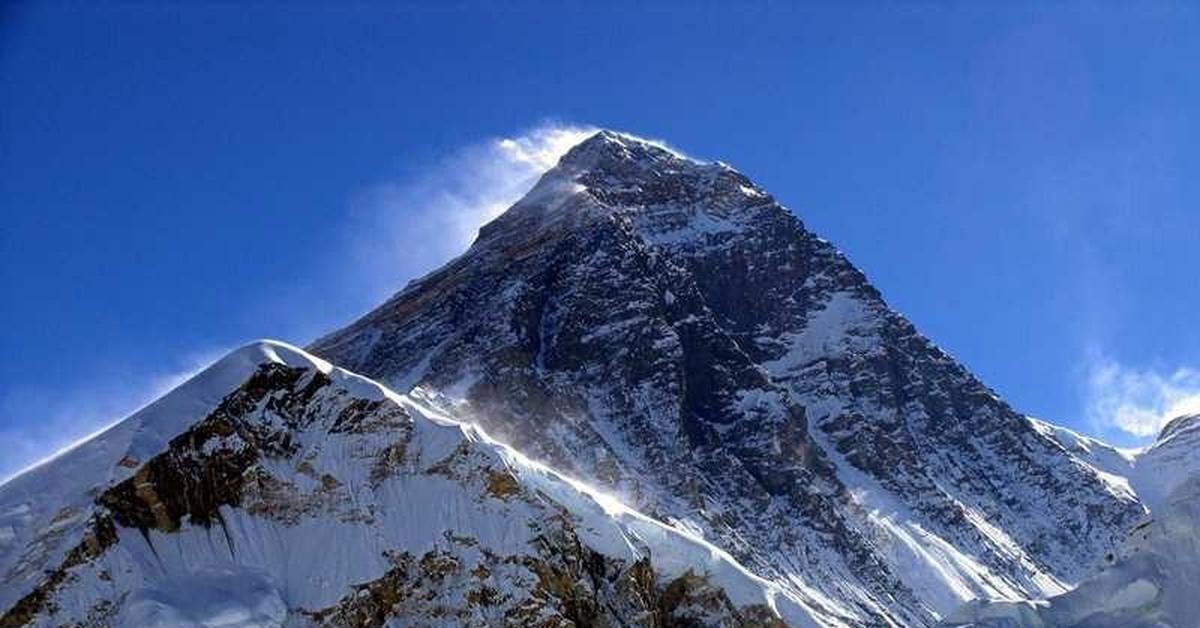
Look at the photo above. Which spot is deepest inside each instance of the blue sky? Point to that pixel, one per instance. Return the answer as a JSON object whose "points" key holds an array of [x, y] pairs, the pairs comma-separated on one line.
{"points": [[175, 181]]}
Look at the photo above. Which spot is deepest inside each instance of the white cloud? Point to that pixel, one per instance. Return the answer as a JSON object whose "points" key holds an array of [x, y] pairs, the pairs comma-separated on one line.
{"points": [[1140, 401]]}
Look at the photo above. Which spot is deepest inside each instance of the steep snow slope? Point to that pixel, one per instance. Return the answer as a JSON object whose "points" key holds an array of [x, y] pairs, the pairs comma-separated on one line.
{"points": [[1152, 580], [665, 329], [275, 489]]}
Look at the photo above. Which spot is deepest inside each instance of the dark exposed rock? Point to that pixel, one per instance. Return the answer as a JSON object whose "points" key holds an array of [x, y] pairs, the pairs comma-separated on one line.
{"points": [[99, 537], [190, 479], [666, 329], [576, 587]]}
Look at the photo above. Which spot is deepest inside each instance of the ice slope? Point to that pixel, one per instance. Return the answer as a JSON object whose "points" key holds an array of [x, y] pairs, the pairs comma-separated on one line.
{"points": [[1152, 472], [1151, 583], [275, 489], [665, 329], [1174, 458], [1153, 578]]}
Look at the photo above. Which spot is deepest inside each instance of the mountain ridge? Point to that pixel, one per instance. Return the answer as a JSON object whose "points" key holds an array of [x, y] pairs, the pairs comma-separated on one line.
{"points": [[731, 427], [180, 509]]}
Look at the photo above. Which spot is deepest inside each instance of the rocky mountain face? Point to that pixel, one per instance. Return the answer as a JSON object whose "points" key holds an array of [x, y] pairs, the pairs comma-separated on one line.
{"points": [[306, 495], [663, 328], [720, 423]]}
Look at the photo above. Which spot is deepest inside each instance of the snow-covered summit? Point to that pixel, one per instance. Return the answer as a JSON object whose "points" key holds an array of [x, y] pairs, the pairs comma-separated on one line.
{"points": [[1150, 473], [1168, 462], [1150, 581], [613, 175], [606, 147], [30, 500]]}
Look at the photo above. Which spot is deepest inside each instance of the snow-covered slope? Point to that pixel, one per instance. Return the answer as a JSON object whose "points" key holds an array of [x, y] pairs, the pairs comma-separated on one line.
{"points": [[1153, 579], [1173, 459], [275, 489], [665, 329], [1151, 582]]}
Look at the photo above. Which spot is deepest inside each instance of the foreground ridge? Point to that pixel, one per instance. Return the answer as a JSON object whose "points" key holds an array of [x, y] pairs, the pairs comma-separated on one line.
{"points": [[307, 494]]}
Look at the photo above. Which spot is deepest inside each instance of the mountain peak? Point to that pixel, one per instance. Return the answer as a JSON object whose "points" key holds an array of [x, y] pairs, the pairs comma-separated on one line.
{"points": [[666, 329], [613, 172], [608, 139], [607, 149], [623, 170]]}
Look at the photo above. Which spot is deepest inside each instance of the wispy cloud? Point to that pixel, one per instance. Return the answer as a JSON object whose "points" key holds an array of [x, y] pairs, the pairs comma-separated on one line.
{"points": [[1139, 401], [397, 230], [406, 228]]}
